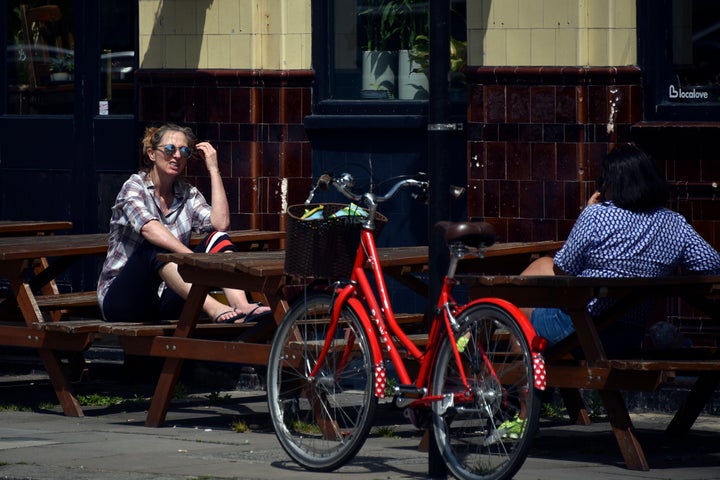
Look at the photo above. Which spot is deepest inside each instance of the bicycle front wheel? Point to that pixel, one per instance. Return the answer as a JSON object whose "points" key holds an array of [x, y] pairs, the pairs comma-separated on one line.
{"points": [[320, 422], [486, 432]]}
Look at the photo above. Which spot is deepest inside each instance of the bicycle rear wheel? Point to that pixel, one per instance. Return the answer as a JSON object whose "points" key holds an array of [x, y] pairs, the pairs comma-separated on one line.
{"points": [[323, 422], [487, 434]]}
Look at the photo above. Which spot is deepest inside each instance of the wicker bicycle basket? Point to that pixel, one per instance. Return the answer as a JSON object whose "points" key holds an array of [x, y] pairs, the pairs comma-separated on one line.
{"points": [[323, 248]]}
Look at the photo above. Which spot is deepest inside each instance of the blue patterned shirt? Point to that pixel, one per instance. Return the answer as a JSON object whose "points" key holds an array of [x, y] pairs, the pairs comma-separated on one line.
{"points": [[608, 241], [135, 206]]}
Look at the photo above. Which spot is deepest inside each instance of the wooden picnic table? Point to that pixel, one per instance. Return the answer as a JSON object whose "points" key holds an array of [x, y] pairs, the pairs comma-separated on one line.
{"points": [[263, 274], [15, 228], [609, 374], [17, 253]]}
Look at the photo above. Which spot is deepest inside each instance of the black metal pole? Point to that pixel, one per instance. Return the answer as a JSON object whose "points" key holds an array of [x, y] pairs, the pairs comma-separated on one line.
{"points": [[439, 197]]}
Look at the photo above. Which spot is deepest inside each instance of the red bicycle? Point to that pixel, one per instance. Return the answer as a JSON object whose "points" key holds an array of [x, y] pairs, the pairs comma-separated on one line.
{"points": [[478, 375]]}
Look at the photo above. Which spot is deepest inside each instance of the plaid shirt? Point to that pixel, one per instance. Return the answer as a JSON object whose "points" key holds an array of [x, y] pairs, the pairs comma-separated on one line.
{"points": [[609, 241], [135, 206]]}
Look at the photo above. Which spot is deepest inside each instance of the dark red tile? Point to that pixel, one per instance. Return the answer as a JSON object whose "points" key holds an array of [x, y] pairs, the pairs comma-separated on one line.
{"points": [[519, 230], [476, 165], [196, 102], [544, 229], [566, 105], [553, 200], [542, 104], [531, 195], [543, 161], [501, 228], [492, 198], [530, 132], [291, 106], [597, 104], [509, 193], [619, 96], [270, 159], [567, 161], [475, 104], [291, 165], [218, 105], [270, 105], [508, 132], [495, 161], [240, 105], [518, 109], [244, 155], [175, 105], [495, 104], [573, 203], [519, 161], [475, 199]]}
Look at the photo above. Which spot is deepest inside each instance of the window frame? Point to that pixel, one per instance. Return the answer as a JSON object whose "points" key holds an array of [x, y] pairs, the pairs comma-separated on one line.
{"points": [[654, 24], [323, 66]]}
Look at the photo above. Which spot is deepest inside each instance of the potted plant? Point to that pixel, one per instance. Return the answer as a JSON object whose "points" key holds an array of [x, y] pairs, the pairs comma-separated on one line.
{"points": [[420, 53], [380, 21], [62, 68], [414, 23]]}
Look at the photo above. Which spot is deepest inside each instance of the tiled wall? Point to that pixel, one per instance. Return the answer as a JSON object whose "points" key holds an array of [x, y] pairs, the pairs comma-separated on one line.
{"points": [[255, 121], [537, 136], [235, 34], [536, 141], [551, 32]]}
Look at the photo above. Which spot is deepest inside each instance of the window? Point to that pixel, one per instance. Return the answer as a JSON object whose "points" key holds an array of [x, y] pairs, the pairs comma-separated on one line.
{"points": [[373, 54], [40, 57], [680, 52]]}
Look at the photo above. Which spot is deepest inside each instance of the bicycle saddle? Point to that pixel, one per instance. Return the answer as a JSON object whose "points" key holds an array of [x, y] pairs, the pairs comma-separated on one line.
{"points": [[472, 234]]}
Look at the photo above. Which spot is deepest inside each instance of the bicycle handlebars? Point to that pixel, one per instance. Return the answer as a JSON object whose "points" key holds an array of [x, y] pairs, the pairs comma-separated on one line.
{"points": [[345, 182]]}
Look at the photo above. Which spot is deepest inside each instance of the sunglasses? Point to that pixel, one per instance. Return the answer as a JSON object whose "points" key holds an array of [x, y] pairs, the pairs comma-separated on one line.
{"points": [[185, 152]]}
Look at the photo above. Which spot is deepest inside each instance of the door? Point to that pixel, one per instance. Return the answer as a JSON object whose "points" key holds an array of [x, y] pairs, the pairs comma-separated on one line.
{"points": [[66, 108]]}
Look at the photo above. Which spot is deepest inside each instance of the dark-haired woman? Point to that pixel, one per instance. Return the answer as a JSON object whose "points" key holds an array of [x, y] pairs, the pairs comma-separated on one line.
{"points": [[157, 211], [625, 231]]}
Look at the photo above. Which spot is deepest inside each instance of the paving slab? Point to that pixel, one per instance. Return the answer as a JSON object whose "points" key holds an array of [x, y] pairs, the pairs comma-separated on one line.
{"points": [[198, 442]]}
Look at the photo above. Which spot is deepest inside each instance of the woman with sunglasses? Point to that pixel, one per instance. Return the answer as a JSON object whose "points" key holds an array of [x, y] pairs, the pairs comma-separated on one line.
{"points": [[157, 210], [625, 231]]}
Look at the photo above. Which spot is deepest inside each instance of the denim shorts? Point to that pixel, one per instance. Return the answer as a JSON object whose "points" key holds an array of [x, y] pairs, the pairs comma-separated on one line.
{"points": [[553, 324]]}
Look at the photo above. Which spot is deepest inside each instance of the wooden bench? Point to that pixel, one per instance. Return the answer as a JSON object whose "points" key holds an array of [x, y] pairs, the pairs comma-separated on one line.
{"points": [[594, 369]]}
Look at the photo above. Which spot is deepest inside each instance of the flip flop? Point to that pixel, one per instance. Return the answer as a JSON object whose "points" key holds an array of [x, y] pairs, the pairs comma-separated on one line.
{"points": [[251, 316], [232, 319]]}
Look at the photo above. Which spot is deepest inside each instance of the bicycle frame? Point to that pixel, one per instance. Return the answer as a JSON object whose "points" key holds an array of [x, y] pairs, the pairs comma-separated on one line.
{"points": [[381, 325]]}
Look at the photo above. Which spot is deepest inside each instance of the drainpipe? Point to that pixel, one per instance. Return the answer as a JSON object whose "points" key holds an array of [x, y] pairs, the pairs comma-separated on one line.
{"points": [[439, 196], [439, 128]]}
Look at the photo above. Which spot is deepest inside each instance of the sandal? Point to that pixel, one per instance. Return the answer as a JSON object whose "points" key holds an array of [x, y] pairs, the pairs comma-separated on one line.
{"points": [[251, 316], [231, 319]]}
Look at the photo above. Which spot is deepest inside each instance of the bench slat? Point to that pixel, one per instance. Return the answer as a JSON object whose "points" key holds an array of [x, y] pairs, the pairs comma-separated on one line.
{"points": [[67, 300]]}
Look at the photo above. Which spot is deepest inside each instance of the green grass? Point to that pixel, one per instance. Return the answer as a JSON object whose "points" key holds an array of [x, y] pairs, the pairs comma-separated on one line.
{"points": [[303, 427], [11, 407], [386, 431], [97, 400], [215, 398], [239, 426]]}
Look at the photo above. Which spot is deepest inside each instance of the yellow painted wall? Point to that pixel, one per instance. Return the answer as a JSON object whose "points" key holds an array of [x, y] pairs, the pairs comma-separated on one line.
{"points": [[552, 32], [232, 34]]}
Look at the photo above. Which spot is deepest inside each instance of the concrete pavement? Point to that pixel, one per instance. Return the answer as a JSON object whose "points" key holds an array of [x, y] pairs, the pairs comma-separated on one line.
{"points": [[199, 443]]}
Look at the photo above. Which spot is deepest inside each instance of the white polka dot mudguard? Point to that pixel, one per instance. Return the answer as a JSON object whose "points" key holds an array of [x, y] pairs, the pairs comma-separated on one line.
{"points": [[539, 369], [380, 380]]}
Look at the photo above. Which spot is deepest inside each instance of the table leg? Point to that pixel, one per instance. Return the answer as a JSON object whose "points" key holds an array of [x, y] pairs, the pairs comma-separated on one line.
{"points": [[696, 400], [624, 431], [172, 366], [71, 407], [575, 406]]}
